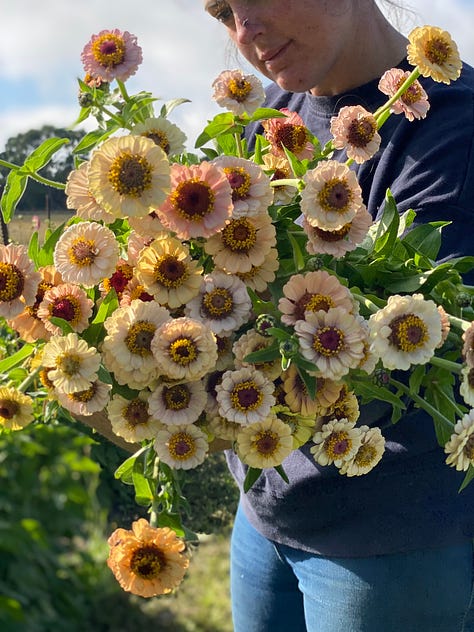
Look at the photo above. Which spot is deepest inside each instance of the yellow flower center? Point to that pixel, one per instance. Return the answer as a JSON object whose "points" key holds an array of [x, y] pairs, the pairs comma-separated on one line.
{"points": [[312, 303], [412, 94], [183, 351], [69, 364], [293, 137], [181, 446], [468, 449], [176, 397], [82, 252], [361, 131], [139, 337], [337, 445], [84, 396], [147, 562], [328, 341], [266, 442], [437, 50], [136, 413], [239, 181], [365, 455], [193, 199], [159, 138], [239, 235], [217, 304], [130, 174], [335, 195], [170, 272], [409, 333], [44, 379], [8, 408], [12, 282], [239, 89], [109, 50], [246, 396]]}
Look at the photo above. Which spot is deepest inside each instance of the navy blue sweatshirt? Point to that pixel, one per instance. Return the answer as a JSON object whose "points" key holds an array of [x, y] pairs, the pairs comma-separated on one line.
{"points": [[410, 500]]}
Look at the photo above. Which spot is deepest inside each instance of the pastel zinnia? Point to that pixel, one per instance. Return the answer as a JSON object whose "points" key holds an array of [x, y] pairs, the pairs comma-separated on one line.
{"points": [[414, 101], [434, 53], [288, 132], [147, 561], [18, 280], [16, 408], [355, 130], [238, 92], [460, 447], [264, 443], [112, 54]]}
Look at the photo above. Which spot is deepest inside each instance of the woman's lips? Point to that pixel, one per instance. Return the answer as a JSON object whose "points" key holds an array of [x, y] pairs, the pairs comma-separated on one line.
{"points": [[269, 58]]}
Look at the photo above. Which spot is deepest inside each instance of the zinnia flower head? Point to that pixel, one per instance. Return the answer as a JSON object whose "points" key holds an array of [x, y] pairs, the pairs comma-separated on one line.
{"points": [[414, 101], [406, 331], [460, 447], [80, 198], [337, 441], [279, 168], [184, 349], [112, 54], [16, 408], [86, 253], [265, 443], [131, 418], [74, 364], [245, 396], [332, 195], [18, 280], [147, 561], [163, 133], [129, 176], [371, 450], [238, 92], [87, 402], [312, 292], [178, 404], [258, 277], [338, 242], [297, 398], [69, 302], [181, 447], [223, 303], [200, 202], [466, 389], [251, 190], [288, 132], [333, 341], [355, 130], [434, 53]]}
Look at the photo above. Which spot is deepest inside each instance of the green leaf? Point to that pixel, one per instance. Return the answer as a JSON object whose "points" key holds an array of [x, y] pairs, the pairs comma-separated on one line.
{"points": [[44, 256], [16, 359], [282, 473], [93, 138], [14, 188], [426, 238], [370, 391], [308, 380], [467, 479], [264, 355], [64, 325], [298, 255], [253, 473], [416, 378], [124, 471], [387, 229], [266, 113], [143, 489], [43, 154]]}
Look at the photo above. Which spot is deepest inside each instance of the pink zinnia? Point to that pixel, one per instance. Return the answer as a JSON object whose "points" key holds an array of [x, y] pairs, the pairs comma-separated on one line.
{"points": [[18, 280], [200, 202], [413, 103], [355, 130], [288, 132], [112, 55]]}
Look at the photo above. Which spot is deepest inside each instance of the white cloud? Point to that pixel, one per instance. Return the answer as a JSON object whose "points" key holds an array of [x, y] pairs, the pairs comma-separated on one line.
{"points": [[183, 52]]}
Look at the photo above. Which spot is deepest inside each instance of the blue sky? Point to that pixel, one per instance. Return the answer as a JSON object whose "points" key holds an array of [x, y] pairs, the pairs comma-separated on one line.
{"points": [[183, 50]]}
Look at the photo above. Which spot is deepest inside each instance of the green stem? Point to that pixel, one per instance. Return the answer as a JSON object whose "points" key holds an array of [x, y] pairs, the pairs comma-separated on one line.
{"points": [[118, 119], [415, 73], [32, 174], [238, 142], [154, 505], [123, 91], [431, 410], [9, 165], [460, 323], [286, 182], [366, 302], [452, 367], [29, 379]]}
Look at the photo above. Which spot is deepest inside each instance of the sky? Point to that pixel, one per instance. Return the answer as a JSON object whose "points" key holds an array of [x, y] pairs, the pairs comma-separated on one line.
{"points": [[183, 52]]}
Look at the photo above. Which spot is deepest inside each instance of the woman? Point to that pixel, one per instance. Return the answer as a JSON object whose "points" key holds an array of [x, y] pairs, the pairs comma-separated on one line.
{"points": [[391, 550]]}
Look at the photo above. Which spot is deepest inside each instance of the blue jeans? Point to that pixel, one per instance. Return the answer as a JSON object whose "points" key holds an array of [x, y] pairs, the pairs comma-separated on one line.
{"points": [[275, 588]]}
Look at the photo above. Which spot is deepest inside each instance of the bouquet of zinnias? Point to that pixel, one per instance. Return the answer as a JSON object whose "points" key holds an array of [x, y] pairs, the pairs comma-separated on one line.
{"points": [[199, 301]]}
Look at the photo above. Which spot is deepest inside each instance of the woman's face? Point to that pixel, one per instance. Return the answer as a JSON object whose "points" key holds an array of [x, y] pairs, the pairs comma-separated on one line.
{"points": [[300, 44]]}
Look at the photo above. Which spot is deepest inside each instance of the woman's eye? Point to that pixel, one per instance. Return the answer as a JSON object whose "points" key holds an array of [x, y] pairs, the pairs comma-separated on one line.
{"points": [[221, 11]]}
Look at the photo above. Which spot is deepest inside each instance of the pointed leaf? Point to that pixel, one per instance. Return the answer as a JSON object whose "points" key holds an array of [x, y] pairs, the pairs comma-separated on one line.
{"points": [[43, 154], [253, 473], [14, 188]]}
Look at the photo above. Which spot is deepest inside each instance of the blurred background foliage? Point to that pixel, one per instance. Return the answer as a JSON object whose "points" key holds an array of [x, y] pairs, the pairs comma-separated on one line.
{"points": [[59, 502]]}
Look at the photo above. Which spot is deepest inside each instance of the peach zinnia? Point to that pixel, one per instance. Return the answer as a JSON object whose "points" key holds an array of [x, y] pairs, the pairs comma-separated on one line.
{"points": [[414, 101], [238, 92], [311, 292], [355, 130], [460, 447], [243, 244], [18, 280], [332, 195], [86, 253], [200, 202], [66, 301], [288, 132], [147, 561], [80, 198], [338, 242]]}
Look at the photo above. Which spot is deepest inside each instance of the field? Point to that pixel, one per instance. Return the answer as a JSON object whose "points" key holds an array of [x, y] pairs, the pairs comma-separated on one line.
{"points": [[23, 225]]}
